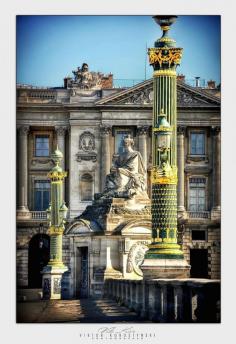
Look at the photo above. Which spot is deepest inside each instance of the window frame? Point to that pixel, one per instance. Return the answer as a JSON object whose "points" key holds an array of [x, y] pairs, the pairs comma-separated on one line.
{"points": [[123, 128], [197, 131], [199, 230], [42, 180], [48, 134], [205, 189]]}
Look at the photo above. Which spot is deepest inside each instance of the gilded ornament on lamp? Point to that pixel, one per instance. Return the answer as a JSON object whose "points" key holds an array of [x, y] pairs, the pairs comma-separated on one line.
{"points": [[162, 128], [165, 28], [165, 55], [165, 72], [57, 175], [164, 174], [54, 230]]}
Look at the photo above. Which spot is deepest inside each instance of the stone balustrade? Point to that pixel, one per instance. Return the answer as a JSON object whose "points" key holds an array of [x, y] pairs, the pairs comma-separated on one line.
{"points": [[199, 214], [169, 301], [38, 215]]}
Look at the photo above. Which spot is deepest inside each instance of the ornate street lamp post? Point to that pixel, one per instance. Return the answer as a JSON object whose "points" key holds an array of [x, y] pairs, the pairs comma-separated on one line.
{"points": [[164, 259], [56, 215]]}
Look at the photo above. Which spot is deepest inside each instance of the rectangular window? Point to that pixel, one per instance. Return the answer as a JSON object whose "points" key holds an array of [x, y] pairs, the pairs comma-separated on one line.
{"points": [[197, 194], [41, 195], [197, 142], [41, 145], [198, 235], [119, 134]]}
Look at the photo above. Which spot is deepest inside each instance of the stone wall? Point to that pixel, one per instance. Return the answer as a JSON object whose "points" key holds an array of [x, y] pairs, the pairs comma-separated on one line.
{"points": [[212, 244]]}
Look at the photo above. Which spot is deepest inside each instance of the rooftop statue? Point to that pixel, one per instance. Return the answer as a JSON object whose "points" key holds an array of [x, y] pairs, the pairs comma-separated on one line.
{"points": [[127, 176], [85, 79]]}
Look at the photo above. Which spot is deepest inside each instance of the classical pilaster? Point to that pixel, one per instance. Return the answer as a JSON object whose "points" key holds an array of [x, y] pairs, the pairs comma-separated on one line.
{"points": [[216, 169], [106, 156], [23, 170], [142, 143], [181, 157]]}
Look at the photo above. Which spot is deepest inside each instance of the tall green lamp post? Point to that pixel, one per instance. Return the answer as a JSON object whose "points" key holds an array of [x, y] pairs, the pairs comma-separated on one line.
{"points": [[164, 259], [56, 214]]}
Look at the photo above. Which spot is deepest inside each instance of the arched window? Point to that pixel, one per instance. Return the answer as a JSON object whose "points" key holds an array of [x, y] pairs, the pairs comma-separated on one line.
{"points": [[86, 187]]}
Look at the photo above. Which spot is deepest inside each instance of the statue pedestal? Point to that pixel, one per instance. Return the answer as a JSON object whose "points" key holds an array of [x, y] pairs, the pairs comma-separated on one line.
{"points": [[51, 284], [165, 268], [112, 273], [119, 230]]}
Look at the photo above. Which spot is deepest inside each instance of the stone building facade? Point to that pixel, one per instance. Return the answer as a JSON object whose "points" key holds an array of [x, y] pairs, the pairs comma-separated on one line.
{"points": [[87, 120]]}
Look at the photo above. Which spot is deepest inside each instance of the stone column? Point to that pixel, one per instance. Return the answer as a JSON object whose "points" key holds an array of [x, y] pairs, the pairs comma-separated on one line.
{"points": [[23, 171], [61, 132], [142, 142], [180, 161], [106, 156], [216, 168]]}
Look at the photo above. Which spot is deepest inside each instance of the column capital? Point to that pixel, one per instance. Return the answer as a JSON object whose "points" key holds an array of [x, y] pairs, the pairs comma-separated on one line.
{"points": [[215, 130], [143, 130], [23, 130], [181, 130], [105, 130], [61, 130]]}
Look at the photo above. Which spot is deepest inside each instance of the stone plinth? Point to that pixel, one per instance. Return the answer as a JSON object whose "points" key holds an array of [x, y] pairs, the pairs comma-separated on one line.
{"points": [[116, 232], [111, 212], [52, 280], [165, 268]]}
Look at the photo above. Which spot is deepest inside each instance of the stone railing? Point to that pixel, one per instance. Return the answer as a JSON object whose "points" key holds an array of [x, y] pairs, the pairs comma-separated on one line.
{"points": [[38, 215], [34, 95], [168, 301], [42, 94], [199, 214]]}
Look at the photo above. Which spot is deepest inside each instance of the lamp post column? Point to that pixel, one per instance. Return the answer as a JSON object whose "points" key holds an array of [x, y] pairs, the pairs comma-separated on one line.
{"points": [[164, 259], [52, 273]]}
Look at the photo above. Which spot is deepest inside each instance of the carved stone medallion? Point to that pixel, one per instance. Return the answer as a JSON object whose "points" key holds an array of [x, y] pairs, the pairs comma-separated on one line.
{"points": [[87, 142], [136, 257]]}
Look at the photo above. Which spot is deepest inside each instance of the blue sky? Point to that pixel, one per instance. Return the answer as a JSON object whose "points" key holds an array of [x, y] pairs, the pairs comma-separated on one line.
{"points": [[50, 47]]}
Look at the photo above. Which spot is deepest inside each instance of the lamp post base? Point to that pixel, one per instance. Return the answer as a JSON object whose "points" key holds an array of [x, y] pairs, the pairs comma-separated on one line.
{"points": [[52, 278], [165, 268]]}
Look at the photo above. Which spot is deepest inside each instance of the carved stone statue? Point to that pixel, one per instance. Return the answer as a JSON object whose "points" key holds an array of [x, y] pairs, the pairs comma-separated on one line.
{"points": [[85, 79], [127, 176]]}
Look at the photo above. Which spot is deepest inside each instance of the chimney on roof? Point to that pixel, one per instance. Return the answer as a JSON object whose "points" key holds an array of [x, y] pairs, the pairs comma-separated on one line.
{"points": [[66, 81], [211, 84], [181, 77], [197, 81], [107, 81]]}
